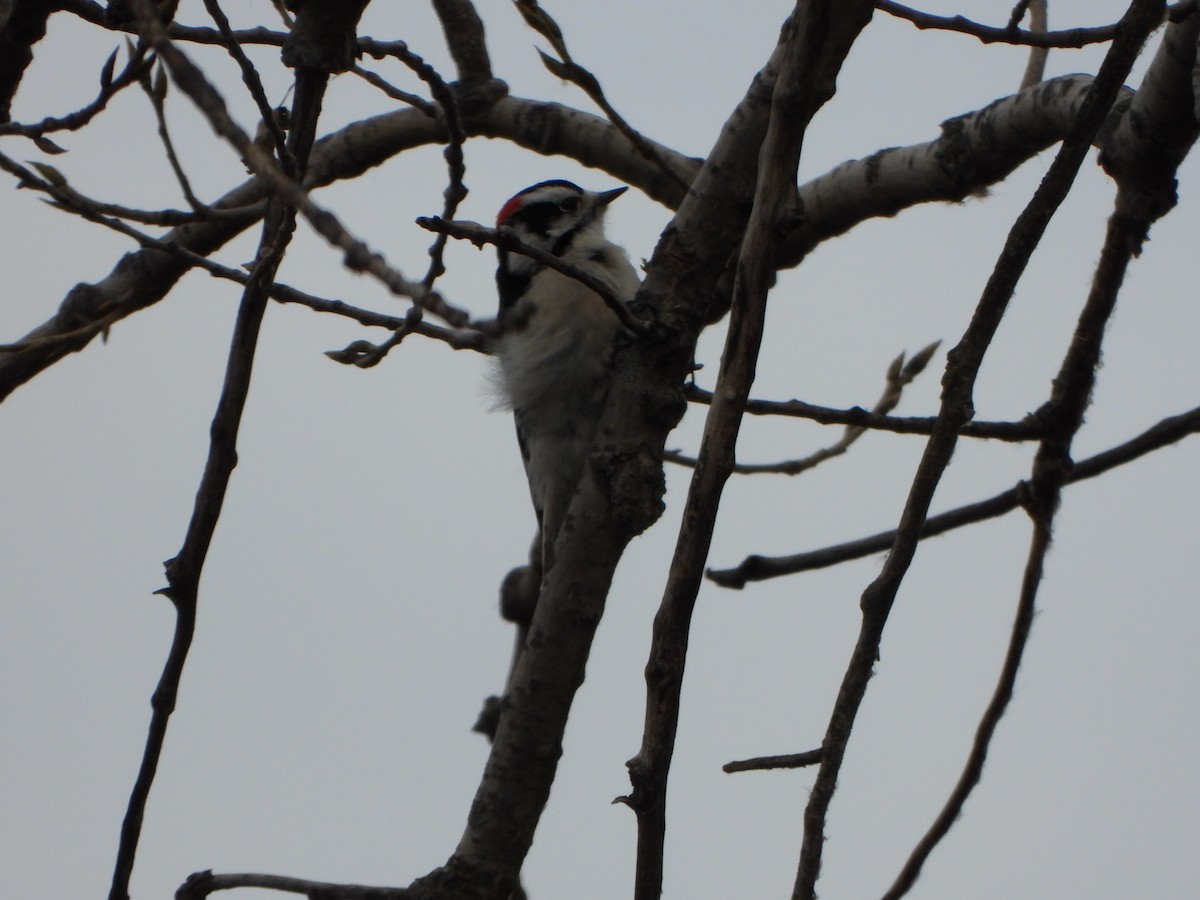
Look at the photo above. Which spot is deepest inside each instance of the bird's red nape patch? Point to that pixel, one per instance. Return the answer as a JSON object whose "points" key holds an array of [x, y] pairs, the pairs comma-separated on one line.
{"points": [[507, 210]]}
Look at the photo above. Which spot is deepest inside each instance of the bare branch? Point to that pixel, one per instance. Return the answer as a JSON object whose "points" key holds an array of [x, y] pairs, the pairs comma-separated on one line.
{"points": [[568, 70], [1140, 202], [110, 86], [266, 112], [956, 409], [505, 239], [812, 47], [465, 39], [1011, 130], [759, 568], [987, 34], [1025, 430], [184, 570], [1035, 69], [201, 885], [762, 763], [899, 375]]}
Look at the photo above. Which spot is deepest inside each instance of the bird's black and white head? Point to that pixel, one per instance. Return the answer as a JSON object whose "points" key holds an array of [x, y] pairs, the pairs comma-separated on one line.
{"points": [[560, 218], [557, 216]]}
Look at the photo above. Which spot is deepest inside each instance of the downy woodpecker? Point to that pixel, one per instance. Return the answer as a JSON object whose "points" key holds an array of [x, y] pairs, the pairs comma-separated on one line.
{"points": [[554, 361]]}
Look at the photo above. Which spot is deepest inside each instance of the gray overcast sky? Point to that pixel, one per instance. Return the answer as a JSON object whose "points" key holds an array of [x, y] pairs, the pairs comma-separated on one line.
{"points": [[348, 628]]}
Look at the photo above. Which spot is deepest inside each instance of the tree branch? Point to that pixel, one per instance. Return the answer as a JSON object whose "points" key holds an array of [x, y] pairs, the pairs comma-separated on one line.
{"points": [[813, 45], [465, 39], [505, 239], [760, 568], [956, 409], [1011, 129], [762, 763], [858, 417], [1140, 202], [1010, 34]]}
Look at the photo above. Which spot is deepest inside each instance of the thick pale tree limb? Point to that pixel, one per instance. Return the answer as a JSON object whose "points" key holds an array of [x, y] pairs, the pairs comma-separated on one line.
{"points": [[974, 151]]}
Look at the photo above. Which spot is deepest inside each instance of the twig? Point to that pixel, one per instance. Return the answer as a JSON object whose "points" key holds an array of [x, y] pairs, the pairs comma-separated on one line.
{"points": [[956, 409], [137, 65], [1126, 234], [156, 91], [1025, 430], [1035, 69], [452, 196], [568, 70], [505, 239], [760, 568], [200, 885], [266, 112], [455, 190], [358, 257], [1021, 627], [760, 763], [899, 375], [988, 34], [813, 44], [414, 100], [183, 571]]}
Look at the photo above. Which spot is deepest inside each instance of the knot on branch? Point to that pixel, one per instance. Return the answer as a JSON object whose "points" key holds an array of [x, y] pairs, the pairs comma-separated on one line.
{"points": [[635, 483], [476, 98], [324, 36]]}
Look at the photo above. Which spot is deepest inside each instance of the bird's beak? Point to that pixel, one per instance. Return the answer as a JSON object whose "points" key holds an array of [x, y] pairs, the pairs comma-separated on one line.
{"points": [[606, 197]]}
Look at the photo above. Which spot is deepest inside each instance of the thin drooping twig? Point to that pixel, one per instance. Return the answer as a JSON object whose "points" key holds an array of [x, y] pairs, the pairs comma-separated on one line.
{"points": [[254, 86], [453, 194], [66, 198], [568, 70], [183, 571], [416, 101], [110, 86], [358, 257], [155, 90], [1039, 23], [813, 44], [956, 409], [1021, 627], [899, 375], [455, 190]]}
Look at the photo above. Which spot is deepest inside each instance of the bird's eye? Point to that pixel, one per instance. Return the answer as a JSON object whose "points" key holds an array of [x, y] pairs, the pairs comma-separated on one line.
{"points": [[569, 205]]}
